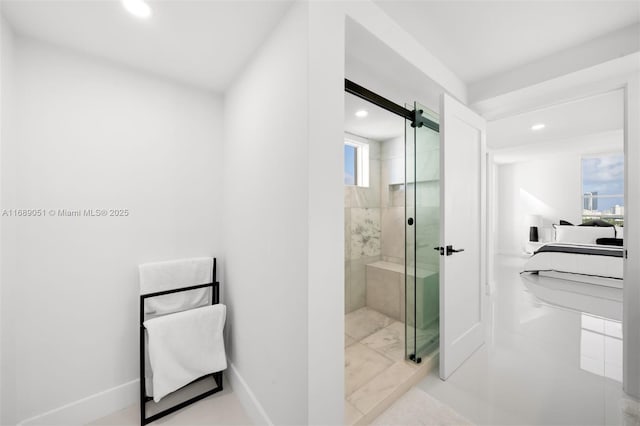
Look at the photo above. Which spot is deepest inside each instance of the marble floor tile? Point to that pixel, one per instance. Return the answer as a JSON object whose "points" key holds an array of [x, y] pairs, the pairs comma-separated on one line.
{"points": [[351, 413], [416, 408], [365, 321], [381, 386], [361, 365], [348, 341], [389, 341]]}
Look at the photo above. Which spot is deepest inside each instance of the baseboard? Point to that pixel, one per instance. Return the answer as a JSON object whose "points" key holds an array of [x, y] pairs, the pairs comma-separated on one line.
{"points": [[247, 398], [103, 403], [90, 408]]}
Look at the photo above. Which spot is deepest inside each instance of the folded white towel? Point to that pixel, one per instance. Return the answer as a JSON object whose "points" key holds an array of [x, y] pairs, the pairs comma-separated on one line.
{"points": [[173, 274], [185, 346]]}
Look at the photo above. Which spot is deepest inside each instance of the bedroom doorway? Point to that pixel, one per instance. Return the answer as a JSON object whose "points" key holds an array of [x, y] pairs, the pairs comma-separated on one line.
{"points": [[554, 347]]}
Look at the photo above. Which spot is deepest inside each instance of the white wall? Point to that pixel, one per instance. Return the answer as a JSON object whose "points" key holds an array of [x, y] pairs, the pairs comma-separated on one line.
{"points": [[326, 217], [7, 348], [90, 135], [548, 186], [631, 296], [266, 223], [326, 214]]}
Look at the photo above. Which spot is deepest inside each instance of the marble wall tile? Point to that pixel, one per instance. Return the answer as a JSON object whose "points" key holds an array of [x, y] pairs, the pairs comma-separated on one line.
{"points": [[403, 298], [428, 194], [392, 148], [375, 150], [384, 184], [397, 195], [427, 141], [383, 291], [428, 166], [358, 281], [427, 295], [357, 289], [347, 287], [367, 196], [428, 236], [392, 234], [365, 232], [397, 172], [398, 260], [347, 233]]}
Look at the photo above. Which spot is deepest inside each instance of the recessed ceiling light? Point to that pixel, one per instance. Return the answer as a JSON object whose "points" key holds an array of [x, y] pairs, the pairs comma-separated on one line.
{"points": [[362, 113], [138, 8], [538, 126]]}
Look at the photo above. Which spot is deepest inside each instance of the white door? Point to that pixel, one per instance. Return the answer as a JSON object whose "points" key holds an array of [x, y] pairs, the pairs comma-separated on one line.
{"points": [[462, 267]]}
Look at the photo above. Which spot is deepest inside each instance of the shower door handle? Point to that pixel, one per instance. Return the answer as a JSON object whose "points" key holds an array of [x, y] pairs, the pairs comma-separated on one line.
{"points": [[451, 250]]}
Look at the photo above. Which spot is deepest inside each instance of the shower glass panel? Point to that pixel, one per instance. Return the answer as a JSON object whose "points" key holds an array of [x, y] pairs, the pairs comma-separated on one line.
{"points": [[422, 237]]}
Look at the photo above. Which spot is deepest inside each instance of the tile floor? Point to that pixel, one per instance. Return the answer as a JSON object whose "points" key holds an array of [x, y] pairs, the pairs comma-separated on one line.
{"points": [[543, 362], [376, 373]]}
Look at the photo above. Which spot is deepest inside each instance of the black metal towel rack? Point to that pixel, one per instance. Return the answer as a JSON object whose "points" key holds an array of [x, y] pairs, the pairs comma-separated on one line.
{"points": [[144, 399]]}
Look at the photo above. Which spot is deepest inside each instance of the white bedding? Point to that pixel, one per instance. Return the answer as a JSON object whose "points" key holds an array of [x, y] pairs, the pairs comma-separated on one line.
{"points": [[583, 234], [594, 264]]}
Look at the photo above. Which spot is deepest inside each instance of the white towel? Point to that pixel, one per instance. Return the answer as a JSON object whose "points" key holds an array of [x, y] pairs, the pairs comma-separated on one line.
{"points": [[173, 274], [185, 346]]}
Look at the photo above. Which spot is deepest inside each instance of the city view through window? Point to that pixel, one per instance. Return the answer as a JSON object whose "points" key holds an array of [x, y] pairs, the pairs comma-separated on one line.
{"points": [[603, 188]]}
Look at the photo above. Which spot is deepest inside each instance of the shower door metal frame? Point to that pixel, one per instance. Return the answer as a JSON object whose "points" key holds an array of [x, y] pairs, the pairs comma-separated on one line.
{"points": [[414, 116]]}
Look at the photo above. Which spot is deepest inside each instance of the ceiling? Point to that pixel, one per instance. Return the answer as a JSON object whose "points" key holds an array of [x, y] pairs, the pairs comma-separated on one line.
{"points": [[379, 125], [374, 65], [565, 124], [580, 118], [478, 39], [187, 40]]}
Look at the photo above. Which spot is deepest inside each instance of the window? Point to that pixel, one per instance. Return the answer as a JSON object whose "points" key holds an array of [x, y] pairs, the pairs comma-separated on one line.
{"points": [[356, 163], [350, 164], [603, 188]]}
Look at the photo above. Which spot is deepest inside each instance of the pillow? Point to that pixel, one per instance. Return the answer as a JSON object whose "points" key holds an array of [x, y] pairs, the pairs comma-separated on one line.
{"points": [[595, 222], [619, 232], [610, 241], [583, 234]]}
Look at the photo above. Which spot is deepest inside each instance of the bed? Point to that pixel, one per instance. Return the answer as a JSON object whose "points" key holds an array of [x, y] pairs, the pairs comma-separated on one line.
{"points": [[576, 256]]}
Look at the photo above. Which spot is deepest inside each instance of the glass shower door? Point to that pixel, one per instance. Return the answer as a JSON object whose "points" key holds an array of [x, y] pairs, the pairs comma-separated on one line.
{"points": [[422, 237]]}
